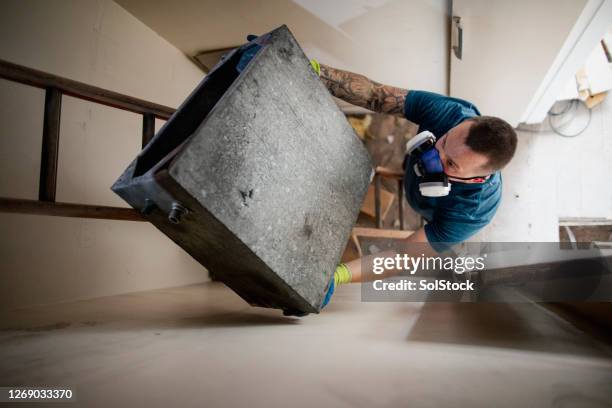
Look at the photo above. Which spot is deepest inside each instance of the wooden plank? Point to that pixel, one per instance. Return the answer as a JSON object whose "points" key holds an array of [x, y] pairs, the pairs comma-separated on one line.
{"points": [[381, 233], [19, 206]]}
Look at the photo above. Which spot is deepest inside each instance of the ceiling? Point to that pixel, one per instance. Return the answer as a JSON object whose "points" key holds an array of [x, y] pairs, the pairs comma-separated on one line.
{"points": [[398, 42]]}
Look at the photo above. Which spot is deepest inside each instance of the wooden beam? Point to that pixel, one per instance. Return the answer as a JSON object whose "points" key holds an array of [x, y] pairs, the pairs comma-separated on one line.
{"points": [[19, 206]]}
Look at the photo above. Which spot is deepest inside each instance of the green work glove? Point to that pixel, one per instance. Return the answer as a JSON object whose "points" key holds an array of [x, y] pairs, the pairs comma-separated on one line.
{"points": [[316, 66], [341, 275]]}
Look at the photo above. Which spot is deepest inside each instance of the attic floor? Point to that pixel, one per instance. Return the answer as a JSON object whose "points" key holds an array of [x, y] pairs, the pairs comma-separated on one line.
{"points": [[201, 345]]}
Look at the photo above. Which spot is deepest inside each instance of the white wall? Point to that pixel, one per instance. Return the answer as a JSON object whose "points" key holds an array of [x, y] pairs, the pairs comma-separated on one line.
{"points": [[399, 42], [553, 177], [508, 48], [591, 26], [50, 259]]}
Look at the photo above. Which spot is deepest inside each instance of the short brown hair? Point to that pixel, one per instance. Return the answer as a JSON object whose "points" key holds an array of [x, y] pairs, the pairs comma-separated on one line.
{"points": [[493, 137]]}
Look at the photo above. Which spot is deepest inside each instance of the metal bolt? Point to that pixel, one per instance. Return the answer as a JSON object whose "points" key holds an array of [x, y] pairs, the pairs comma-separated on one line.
{"points": [[176, 213]]}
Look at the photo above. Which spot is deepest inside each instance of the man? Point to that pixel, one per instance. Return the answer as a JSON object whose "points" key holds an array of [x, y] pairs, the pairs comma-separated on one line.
{"points": [[472, 148]]}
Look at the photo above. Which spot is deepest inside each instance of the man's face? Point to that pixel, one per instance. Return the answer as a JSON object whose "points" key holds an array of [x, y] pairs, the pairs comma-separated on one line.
{"points": [[457, 158]]}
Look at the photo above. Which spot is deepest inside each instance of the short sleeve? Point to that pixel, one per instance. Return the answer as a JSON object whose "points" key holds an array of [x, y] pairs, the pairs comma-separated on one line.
{"points": [[444, 232], [436, 113]]}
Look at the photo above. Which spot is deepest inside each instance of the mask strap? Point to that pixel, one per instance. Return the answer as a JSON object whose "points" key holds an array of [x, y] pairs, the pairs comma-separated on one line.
{"points": [[480, 179]]}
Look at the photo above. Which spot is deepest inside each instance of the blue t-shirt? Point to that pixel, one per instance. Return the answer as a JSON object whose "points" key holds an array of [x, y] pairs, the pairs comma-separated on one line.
{"points": [[468, 207]]}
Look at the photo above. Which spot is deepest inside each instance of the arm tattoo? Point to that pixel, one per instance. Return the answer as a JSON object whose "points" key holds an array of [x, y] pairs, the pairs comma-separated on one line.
{"points": [[361, 91]]}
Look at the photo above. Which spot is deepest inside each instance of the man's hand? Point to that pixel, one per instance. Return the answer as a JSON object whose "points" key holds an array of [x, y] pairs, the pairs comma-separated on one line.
{"points": [[415, 245], [342, 275], [315, 66], [361, 91]]}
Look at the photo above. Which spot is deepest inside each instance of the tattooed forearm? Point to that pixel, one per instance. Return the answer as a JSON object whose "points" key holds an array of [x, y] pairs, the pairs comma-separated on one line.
{"points": [[361, 91]]}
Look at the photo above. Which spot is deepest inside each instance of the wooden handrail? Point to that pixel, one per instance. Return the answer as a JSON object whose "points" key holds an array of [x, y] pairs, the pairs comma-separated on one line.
{"points": [[55, 87], [40, 79]]}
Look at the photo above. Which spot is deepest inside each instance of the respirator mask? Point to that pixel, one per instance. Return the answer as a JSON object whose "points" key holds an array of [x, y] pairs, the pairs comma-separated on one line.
{"points": [[428, 166]]}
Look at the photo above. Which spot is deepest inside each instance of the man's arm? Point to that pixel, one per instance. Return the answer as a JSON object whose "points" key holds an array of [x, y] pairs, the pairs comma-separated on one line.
{"points": [[361, 91], [416, 246]]}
